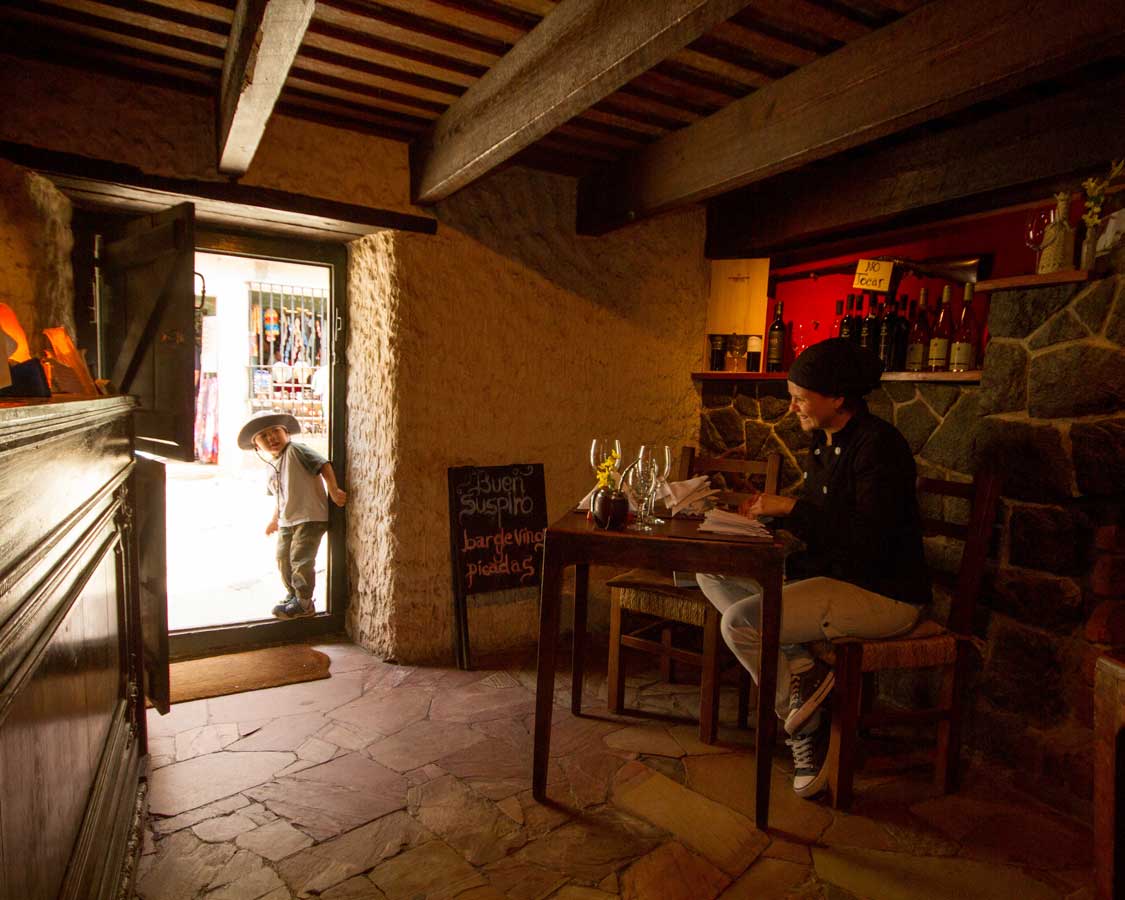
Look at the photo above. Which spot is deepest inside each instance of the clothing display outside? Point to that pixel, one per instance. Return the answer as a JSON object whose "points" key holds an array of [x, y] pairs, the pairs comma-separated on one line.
{"points": [[289, 352]]}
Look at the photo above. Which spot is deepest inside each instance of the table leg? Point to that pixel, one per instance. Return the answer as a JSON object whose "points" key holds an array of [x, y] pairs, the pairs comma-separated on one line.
{"points": [[578, 657], [549, 602], [770, 630]]}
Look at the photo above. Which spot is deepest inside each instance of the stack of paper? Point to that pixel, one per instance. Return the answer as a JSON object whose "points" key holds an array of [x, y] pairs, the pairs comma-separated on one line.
{"points": [[718, 521], [687, 496]]}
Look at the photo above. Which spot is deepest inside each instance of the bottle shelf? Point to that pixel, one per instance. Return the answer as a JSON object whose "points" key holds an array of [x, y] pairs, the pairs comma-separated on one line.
{"points": [[972, 377], [1069, 276], [739, 376]]}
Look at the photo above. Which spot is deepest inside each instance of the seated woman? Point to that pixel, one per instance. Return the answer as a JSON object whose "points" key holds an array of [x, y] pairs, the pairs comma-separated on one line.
{"points": [[862, 572]]}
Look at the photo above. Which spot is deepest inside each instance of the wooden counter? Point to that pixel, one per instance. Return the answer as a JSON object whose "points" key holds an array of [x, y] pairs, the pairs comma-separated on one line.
{"points": [[71, 712]]}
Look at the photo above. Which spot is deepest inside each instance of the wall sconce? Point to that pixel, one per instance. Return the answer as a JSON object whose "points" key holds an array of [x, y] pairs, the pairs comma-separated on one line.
{"points": [[737, 306]]}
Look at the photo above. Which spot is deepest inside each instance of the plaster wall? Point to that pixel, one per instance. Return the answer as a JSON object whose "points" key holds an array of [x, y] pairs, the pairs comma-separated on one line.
{"points": [[36, 280], [172, 133], [504, 338]]}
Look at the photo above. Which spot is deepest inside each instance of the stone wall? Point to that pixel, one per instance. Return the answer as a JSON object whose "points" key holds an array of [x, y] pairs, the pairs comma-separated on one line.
{"points": [[36, 280], [504, 338], [1051, 408]]}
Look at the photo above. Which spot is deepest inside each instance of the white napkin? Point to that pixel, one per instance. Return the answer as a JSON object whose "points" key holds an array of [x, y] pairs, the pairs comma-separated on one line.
{"points": [[720, 521], [686, 496]]}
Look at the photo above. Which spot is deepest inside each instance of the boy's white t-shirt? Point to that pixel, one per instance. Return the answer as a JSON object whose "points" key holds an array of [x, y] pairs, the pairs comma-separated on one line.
{"points": [[296, 482]]}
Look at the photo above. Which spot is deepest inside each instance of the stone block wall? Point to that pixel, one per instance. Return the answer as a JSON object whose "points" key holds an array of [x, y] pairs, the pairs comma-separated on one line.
{"points": [[1051, 408], [36, 280]]}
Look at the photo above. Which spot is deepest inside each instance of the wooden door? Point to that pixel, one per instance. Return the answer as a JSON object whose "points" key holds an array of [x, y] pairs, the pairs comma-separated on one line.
{"points": [[150, 493], [147, 288]]}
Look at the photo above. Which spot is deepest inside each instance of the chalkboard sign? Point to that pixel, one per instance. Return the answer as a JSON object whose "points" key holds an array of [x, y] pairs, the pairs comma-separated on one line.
{"points": [[497, 521]]}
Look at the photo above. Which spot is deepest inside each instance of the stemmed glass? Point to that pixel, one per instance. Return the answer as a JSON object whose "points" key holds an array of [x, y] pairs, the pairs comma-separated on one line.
{"points": [[601, 449], [1038, 233], [663, 456], [643, 477]]}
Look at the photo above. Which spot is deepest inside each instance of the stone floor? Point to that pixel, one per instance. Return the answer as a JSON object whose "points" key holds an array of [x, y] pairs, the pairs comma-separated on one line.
{"points": [[406, 783]]}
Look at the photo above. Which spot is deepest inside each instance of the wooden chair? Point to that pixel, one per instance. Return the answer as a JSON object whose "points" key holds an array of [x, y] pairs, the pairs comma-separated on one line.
{"points": [[655, 595], [928, 645]]}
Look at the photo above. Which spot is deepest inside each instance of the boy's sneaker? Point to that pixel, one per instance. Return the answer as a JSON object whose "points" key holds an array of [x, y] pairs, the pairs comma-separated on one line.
{"points": [[296, 609], [279, 611], [807, 692], [810, 750]]}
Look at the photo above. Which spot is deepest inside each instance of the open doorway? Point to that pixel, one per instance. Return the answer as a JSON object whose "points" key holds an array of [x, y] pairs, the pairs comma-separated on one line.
{"points": [[268, 333], [263, 332]]}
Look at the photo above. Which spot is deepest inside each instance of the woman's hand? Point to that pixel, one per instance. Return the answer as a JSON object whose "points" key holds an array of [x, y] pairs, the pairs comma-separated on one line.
{"points": [[770, 505]]}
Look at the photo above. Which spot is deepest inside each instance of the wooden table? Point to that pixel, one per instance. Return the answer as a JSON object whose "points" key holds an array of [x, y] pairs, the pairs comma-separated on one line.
{"points": [[677, 545]]}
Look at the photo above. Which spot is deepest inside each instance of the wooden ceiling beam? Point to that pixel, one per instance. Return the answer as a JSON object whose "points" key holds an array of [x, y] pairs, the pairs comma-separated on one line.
{"points": [[579, 54], [1003, 154], [106, 184], [264, 38], [943, 57]]}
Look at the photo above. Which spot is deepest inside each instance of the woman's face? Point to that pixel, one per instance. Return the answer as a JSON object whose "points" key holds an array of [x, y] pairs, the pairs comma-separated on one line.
{"points": [[814, 410]]}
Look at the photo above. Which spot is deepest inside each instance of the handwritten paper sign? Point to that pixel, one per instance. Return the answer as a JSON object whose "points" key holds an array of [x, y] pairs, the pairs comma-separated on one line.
{"points": [[873, 275], [497, 524]]}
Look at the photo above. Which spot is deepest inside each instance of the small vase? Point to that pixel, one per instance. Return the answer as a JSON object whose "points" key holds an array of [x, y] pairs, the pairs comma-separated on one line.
{"points": [[610, 509], [1089, 252]]}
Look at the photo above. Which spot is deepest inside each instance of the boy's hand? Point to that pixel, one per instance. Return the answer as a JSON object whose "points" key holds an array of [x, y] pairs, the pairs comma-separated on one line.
{"points": [[338, 496], [272, 527]]}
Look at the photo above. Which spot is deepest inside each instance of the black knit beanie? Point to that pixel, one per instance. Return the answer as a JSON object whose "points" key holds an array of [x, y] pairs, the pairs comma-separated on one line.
{"points": [[837, 368]]}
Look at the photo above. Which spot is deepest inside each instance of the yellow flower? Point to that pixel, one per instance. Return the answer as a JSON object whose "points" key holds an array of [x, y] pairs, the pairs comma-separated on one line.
{"points": [[605, 471], [1095, 189]]}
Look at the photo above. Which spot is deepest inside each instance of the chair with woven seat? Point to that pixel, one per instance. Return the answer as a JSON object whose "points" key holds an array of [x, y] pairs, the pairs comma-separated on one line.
{"points": [[929, 645], [656, 596]]}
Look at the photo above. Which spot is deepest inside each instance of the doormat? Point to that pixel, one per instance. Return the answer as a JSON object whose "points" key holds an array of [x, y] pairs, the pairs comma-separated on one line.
{"points": [[232, 673]]}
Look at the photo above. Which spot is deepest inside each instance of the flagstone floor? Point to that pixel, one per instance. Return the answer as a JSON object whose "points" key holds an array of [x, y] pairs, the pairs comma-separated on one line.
{"points": [[386, 782]]}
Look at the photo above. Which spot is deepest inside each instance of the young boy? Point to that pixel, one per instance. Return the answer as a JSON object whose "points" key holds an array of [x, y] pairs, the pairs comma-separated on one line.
{"points": [[300, 517]]}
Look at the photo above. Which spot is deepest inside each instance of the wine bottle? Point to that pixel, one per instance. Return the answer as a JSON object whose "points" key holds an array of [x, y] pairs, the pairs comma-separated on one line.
{"points": [[869, 330], [847, 324], [918, 341], [857, 320], [888, 327], [902, 332], [963, 352], [775, 342], [838, 322], [942, 334]]}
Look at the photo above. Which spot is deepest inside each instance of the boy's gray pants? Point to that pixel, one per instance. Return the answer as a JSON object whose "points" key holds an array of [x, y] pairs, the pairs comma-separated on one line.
{"points": [[296, 558]]}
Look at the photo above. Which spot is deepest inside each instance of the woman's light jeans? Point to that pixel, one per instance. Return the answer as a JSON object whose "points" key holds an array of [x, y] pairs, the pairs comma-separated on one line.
{"points": [[811, 610]]}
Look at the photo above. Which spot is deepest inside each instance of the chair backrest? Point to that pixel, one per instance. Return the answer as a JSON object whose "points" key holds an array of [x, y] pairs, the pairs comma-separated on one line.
{"points": [[769, 468], [982, 494]]}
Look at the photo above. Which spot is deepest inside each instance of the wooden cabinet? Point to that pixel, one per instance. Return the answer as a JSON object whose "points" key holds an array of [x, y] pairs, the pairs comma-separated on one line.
{"points": [[72, 731]]}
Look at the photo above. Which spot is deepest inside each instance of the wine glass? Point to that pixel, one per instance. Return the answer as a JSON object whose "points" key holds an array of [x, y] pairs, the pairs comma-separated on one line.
{"points": [[643, 477], [663, 455], [601, 449], [1038, 233]]}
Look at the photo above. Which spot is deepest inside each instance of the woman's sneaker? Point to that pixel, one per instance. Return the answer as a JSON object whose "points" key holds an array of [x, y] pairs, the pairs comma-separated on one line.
{"points": [[810, 751], [807, 692]]}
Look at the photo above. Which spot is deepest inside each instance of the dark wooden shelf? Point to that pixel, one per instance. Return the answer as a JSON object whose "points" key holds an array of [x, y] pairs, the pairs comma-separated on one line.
{"points": [[739, 376], [1068, 276], [948, 377], [932, 377]]}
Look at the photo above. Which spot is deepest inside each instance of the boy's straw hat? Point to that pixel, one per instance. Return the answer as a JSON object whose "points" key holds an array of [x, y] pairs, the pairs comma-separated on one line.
{"points": [[260, 421]]}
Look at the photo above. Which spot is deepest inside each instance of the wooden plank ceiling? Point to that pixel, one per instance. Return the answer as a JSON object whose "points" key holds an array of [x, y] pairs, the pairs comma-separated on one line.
{"points": [[391, 68]]}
